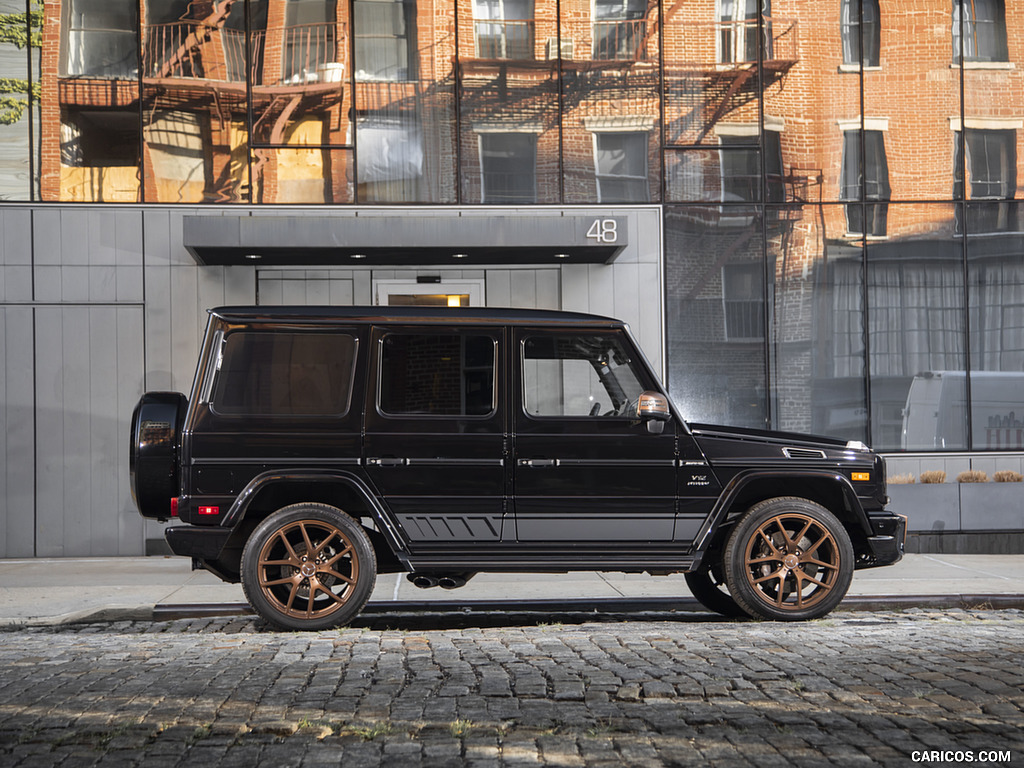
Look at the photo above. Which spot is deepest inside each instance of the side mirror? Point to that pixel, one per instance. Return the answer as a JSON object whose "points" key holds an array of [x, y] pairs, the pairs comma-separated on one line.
{"points": [[652, 408]]}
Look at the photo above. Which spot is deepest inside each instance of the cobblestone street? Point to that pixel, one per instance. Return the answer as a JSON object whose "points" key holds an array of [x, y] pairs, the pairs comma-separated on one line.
{"points": [[530, 689]]}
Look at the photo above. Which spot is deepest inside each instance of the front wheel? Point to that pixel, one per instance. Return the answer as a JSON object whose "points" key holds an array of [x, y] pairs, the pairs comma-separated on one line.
{"points": [[308, 567], [788, 559]]}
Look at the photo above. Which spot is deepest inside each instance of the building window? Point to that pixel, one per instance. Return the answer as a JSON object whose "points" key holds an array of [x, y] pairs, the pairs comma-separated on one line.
{"points": [[509, 163], [390, 160], [979, 30], [743, 298], [867, 181], [620, 162], [504, 29], [861, 32], [308, 39], [385, 39], [992, 170], [737, 34], [101, 39], [619, 29], [741, 168]]}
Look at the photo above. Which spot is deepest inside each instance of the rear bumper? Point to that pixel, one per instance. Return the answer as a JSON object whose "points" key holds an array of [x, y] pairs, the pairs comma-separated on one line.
{"points": [[889, 535], [197, 542]]}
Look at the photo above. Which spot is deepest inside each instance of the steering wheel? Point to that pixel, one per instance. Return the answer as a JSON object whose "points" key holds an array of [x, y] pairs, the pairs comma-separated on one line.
{"points": [[595, 410]]}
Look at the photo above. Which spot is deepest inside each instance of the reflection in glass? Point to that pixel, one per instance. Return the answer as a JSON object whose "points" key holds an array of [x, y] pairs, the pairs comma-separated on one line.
{"points": [[621, 163], [996, 300], [302, 175], [619, 28], [916, 333], [509, 167], [980, 27], [15, 33], [716, 311], [816, 340], [101, 38], [860, 29], [865, 177], [991, 168], [385, 39], [504, 29]]}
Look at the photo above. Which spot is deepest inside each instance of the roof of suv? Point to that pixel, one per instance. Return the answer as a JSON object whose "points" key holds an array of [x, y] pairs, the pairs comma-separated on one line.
{"points": [[501, 316]]}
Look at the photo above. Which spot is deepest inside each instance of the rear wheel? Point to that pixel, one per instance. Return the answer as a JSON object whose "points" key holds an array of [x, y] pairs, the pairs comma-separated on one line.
{"points": [[308, 567], [788, 559], [709, 587]]}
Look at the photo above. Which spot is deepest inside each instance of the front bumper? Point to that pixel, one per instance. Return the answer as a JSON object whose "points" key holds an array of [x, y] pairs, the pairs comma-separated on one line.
{"points": [[889, 535]]}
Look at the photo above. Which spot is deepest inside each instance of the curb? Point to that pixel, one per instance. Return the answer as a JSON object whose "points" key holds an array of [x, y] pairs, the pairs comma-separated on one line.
{"points": [[617, 605]]}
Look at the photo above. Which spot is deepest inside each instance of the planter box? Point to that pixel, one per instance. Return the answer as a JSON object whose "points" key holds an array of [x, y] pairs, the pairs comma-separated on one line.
{"points": [[992, 506], [928, 507]]}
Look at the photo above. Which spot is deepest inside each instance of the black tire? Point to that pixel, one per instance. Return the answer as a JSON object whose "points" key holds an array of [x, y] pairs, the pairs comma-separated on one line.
{"points": [[708, 586], [788, 559], [292, 589]]}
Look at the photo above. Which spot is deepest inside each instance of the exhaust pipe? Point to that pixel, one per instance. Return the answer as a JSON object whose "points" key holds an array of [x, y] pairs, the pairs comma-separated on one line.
{"points": [[422, 580], [454, 580]]}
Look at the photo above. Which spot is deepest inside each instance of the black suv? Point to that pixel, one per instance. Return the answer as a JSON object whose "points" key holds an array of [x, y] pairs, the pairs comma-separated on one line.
{"points": [[324, 445]]}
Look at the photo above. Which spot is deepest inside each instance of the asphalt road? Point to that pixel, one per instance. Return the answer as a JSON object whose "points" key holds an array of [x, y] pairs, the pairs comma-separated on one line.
{"points": [[916, 687]]}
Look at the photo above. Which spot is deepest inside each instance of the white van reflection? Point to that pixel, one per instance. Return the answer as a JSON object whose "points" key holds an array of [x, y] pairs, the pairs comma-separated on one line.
{"points": [[935, 416]]}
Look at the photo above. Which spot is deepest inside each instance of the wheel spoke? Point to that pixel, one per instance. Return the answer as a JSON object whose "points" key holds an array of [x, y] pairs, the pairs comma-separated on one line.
{"points": [[819, 563], [338, 599], [339, 576], [288, 545], [780, 524], [820, 541], [769, 576], [278, 582], [800, 536], [305, 538], [767, 539], [801, 576], [323, 544], [330, 563]]}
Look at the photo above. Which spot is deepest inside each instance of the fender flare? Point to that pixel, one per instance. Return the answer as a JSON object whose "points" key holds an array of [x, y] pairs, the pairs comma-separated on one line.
{"points": [[264, 480], [723, 509]]}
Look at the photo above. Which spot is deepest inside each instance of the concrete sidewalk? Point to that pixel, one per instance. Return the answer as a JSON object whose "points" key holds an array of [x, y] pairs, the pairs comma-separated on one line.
{"points": [[53, 591]]}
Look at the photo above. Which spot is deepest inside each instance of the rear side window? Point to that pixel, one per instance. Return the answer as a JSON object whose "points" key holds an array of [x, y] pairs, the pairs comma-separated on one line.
{"points": [[279, 373], [442, 374]]}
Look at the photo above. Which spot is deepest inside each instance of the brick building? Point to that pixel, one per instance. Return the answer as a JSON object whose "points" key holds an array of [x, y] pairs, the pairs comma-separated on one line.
{"points": [[807, 211]]}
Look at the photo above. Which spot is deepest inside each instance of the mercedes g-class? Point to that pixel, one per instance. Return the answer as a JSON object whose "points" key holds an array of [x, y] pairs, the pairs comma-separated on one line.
{"points": [[321, 446]]}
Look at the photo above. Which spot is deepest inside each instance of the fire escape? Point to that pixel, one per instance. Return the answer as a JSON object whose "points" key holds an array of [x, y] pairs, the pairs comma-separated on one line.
{"points": [[199, 66]]}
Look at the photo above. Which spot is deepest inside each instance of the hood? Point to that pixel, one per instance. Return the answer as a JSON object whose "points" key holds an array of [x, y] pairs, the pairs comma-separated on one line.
{"points": [[770, 436]]}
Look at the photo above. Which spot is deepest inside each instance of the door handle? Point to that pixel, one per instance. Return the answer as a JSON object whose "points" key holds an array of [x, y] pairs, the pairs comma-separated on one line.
{"points": [[375, 462], [538, 462]]}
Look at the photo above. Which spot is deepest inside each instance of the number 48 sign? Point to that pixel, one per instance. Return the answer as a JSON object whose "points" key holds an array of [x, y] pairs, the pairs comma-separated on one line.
{"points": [[604, 231]]}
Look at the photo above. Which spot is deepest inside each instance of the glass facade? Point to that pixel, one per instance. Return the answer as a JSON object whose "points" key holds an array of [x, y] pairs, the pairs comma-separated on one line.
{"points": [[843, 245]]}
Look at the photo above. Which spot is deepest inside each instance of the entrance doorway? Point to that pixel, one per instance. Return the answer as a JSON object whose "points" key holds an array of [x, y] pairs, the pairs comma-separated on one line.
{"points": [[429, 293]]}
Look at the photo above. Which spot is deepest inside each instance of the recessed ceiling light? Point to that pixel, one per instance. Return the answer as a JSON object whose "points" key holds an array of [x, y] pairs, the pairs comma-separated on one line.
{"points": [[253, 256], [561, 255], [460, 255], [357, 255]]}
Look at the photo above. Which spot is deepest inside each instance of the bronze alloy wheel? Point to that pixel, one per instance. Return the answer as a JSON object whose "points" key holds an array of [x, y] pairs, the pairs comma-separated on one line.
{"points": [[788, 559], [308, 566], [792, 561]]}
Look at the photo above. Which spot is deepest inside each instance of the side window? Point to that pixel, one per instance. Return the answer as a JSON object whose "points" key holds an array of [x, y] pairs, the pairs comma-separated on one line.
{"points": [[442, 374], [275, 373], [579, 375]]}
